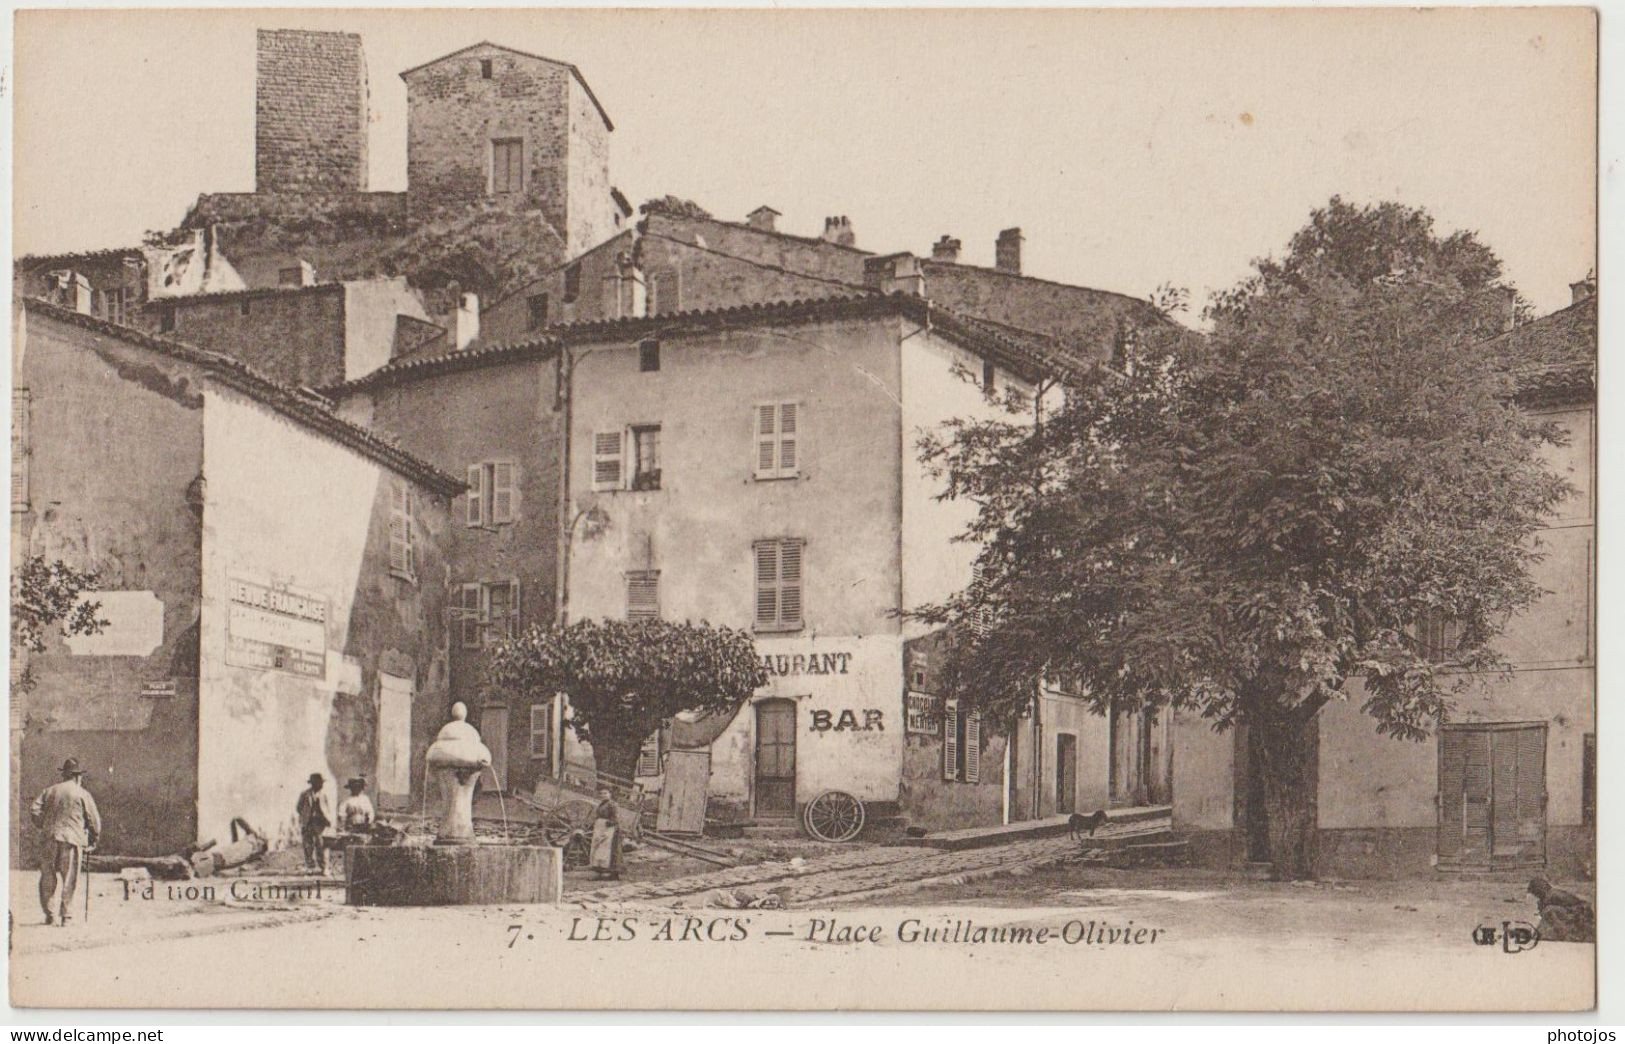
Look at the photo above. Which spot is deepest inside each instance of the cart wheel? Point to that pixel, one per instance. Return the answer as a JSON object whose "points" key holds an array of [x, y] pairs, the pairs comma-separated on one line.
{"points": [[833, 815], [566, 821]]}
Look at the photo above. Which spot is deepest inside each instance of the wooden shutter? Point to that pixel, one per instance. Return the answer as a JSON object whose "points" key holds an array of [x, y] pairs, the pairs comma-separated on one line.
{"points": [[649, 756], [504, 493], [789, 438], [973, 747], [469, 614], [608, 453], [643, 595], [790, 582], [501, 609], [1518, 804], [767, 441], [20, 444], [1452, 772], [1475, 797], [411, 529], [950, 739], [400, 528], [476, 495], [767, 582], [541, 730]]}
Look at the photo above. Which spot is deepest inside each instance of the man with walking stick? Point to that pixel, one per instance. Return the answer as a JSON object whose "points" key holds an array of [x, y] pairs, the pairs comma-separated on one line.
{"points": [[69, 825]]}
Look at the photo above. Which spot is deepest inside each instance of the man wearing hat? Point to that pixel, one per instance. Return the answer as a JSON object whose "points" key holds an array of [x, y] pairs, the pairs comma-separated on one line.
{"points": [[356, 811], [69, 825], [315, 816]]}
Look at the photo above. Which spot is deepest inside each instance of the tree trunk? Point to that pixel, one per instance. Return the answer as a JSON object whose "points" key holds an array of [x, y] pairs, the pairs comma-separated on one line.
{"points": [[1286, 745], [617, 755]]}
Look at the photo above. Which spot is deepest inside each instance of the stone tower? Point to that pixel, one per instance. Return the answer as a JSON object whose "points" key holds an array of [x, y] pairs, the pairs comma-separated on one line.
{"points": [[516, 129], [310, 101]]}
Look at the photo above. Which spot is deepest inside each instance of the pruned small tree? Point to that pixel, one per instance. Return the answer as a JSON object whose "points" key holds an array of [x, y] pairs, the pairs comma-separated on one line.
{"points": [[46, 599], [1250, 525], [623, 678]]}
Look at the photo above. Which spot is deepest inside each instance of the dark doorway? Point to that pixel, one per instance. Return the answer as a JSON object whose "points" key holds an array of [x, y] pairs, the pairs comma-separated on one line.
{"points": [[1066, 774], [775, 758]]}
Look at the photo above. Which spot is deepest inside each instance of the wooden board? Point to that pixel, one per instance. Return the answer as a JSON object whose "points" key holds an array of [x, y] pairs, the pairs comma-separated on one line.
{"points": [[683, 792]]}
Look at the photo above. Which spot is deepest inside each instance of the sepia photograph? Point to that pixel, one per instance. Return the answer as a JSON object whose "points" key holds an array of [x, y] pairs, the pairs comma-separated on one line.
{"points": [[804, 510]]}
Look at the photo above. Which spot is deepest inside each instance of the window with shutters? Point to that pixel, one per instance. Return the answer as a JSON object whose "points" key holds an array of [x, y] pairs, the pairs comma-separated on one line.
{"points": [[646, 457], [507, 165], [778, 584], [535, 311], [487, 612], [21, 445], [541, 733], [981, 617], [778, 440], [608, 457], [1438, 636], [643, 595], [961, 743], [1492, 795], [493, 494], [649, 755], [402, 531]]}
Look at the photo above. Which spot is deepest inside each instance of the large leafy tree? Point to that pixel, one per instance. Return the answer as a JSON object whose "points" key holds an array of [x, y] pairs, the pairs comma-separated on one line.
{"points": [[623, 678], [1249, 525]]}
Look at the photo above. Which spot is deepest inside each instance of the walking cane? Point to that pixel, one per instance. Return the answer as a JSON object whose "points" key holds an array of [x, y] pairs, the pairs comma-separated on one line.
{"points": [[84, 861]]}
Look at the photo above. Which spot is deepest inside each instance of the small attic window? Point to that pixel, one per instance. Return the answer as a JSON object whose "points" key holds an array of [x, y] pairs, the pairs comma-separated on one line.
{"points": [[485, 68]]}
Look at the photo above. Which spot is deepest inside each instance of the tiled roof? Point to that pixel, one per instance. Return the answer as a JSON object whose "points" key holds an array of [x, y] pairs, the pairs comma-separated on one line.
{"points": [[40, 260], [1024, 355], [523, 54], [280, 397], [1553, 357]]}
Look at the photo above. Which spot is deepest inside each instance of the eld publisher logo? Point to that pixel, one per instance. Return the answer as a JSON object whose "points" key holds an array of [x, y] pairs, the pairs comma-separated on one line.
{"points": [[1514, 936]]}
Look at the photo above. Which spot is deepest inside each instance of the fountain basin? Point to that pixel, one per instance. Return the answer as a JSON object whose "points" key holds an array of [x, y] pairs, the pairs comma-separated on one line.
{"points": [[446, 875]]}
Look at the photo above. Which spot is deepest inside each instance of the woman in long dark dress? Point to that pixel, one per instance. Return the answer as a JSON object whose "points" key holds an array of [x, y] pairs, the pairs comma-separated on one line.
{"points": [[606, 837]]}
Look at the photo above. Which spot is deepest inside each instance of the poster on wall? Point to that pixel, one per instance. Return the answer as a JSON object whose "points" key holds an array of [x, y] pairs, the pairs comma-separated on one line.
{"points": [[924, 714], [276, 628]]}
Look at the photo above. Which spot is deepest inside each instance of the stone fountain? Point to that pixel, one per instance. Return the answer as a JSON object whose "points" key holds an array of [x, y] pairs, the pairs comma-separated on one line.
{"points": [[458, 868]]}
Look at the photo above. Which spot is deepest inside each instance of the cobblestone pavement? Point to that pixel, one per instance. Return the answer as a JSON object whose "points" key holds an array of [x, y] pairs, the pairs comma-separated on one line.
{"points": [[850, 874]]}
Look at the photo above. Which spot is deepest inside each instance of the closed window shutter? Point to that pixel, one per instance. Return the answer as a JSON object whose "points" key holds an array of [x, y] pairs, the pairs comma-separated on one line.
{"points": [[788, 438], [1452, 770], [400, 528], [1475, 789], [973, 747], [790, 582], [767, 441], [643, 595], [504, 493], [476, 495], [767, 583], [1532, 794], [607, 454], [20, 408], [411, 530], [950, 739]]}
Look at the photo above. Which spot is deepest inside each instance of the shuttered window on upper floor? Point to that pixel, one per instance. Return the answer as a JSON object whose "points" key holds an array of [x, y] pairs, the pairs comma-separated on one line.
{"points": [[778, 440], [507, 165], [493, 494], [402, 531], [643, 594], [778, 583]]}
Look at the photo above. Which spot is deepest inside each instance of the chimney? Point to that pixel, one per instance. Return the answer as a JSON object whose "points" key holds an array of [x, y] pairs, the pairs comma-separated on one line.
{"points": [[301, 273], [1509, 307], [894, 274], [468, 320], [762, 219], [1583, 290], [838, 230], [945, 249], [1007, 251]]}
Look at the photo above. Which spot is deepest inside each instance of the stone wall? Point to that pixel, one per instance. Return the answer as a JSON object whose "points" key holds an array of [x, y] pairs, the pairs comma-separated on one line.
{"points": [[293, 336], [454, 114], [310, 104]]}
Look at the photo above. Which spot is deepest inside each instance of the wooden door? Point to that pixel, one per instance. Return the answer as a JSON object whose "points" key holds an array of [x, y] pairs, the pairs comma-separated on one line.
{"points": [[1492, 795], [494, 731], [683, 792], [1066, 774], [775, 758]]}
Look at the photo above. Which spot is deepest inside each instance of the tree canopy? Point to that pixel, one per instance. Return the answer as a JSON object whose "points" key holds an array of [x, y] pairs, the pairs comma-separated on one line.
{"points": [[45, 596], [623, 678], [1243, 523]]}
